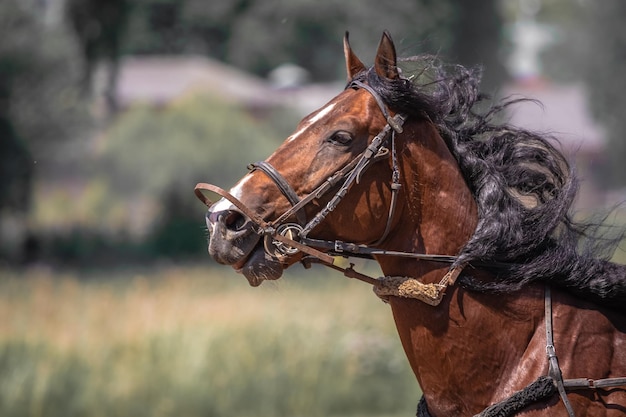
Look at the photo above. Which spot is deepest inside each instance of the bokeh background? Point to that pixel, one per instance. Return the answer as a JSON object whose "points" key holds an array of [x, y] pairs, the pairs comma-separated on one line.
{"points": [[112, 110]]}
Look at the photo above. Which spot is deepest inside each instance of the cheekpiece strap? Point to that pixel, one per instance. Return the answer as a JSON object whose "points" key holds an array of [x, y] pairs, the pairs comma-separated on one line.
{"points": [[396, 121]]}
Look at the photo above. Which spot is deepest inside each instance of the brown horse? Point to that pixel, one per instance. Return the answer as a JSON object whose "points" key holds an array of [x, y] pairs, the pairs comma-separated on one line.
{"points": [[498, 309]]}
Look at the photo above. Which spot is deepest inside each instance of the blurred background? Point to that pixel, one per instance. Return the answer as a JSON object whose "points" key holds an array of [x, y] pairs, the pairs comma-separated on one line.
{"points": [[112, 110]]}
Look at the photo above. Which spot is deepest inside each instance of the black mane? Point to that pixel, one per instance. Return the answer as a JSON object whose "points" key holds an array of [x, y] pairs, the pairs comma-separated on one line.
{"points": [[523, 185]]}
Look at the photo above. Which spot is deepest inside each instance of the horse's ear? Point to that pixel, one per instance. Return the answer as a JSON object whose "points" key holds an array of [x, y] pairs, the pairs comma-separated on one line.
{"points": [[353, 64], [385, 63]]}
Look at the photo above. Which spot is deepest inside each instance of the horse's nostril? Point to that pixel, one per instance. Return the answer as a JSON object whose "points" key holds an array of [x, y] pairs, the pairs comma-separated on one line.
{"points": [[232, 219]]}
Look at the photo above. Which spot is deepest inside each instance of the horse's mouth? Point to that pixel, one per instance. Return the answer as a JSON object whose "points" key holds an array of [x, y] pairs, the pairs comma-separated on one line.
{"points": [[243, 249], [259, 266]]}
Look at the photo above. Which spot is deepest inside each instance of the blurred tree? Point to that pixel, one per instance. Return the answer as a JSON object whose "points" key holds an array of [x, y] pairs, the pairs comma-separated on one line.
{"points": [[259, 35], [39, 108], [153, 151], [476, 29], [15, 160], [16, 169], [30, 109], [565, 54], [310, 33], [99, 26], [39, 81], [212, 24], [605, 66]]}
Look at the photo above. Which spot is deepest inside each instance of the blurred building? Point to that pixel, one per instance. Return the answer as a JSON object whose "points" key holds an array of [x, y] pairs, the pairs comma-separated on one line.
{"points": [[160, 80]]}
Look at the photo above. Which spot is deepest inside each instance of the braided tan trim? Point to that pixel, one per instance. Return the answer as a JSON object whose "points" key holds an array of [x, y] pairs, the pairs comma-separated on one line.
{"points": [[407, 287]]}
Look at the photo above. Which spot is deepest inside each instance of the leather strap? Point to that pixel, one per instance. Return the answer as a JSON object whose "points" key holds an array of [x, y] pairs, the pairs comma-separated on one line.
{"points": [[263, 228], [282, 185], [396, 125], [223, 193], [554, 371], [587, 383]]}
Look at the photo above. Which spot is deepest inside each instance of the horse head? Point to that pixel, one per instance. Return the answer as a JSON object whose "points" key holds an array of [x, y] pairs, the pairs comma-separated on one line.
{"points": [[344, 152]]}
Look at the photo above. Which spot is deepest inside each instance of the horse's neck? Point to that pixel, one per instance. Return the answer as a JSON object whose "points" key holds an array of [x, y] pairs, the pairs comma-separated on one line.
{"points": [[458, 350], [439, 213], [439, 216]]}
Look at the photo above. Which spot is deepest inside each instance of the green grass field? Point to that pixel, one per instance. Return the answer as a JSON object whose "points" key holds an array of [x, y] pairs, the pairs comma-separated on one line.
{"points": [[197, 341]]}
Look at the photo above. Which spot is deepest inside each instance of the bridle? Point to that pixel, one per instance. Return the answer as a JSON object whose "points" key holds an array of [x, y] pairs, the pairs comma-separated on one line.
{"points": [[347, 177], [283, 239]]}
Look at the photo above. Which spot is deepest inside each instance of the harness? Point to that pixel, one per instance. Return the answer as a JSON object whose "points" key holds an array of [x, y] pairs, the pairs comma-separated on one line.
{"points": [[283, 239]]}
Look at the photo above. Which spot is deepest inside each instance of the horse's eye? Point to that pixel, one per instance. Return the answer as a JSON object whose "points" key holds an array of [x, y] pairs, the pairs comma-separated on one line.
{"points": [[341, 137]]}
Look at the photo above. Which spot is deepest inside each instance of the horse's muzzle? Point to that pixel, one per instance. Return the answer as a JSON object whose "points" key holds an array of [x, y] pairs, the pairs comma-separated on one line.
{"points": [[233, 241], [231, 236]]}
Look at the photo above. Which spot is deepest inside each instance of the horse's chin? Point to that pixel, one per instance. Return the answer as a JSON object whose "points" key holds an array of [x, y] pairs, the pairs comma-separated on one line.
{"points": [[259, 267]]}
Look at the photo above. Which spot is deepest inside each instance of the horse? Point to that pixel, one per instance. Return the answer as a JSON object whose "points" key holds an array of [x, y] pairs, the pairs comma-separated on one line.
{"points": [[500, 309]]}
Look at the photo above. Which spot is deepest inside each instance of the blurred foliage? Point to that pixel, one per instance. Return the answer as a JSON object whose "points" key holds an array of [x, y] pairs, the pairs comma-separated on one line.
{"points": [[160, 154], [15, 168], [605, 76], [98, 26], [154, 151], [477, 40], [45, 103], [136, 201], [40, 105]]}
